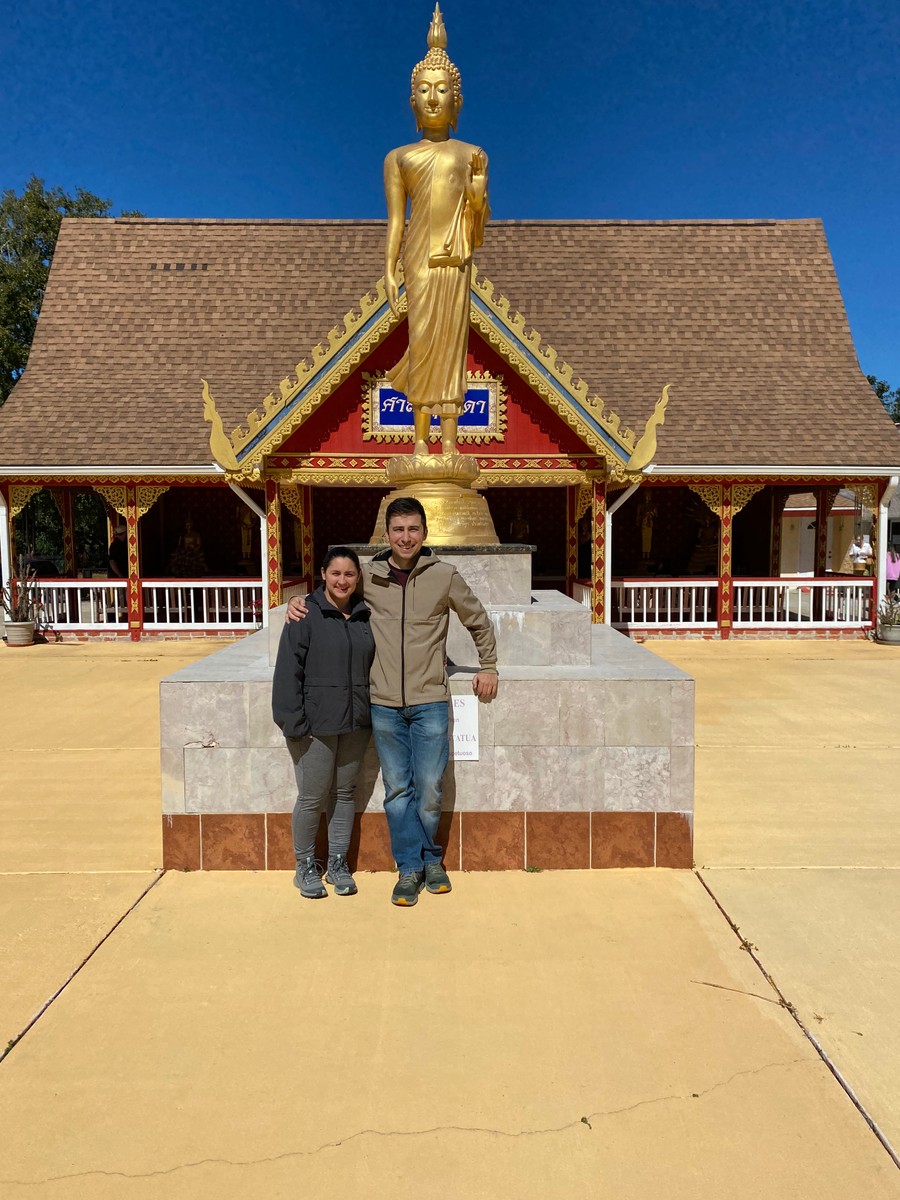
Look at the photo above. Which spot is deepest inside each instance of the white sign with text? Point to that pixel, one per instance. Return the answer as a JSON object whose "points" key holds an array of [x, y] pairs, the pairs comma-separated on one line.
{"points": [[464, 728]]}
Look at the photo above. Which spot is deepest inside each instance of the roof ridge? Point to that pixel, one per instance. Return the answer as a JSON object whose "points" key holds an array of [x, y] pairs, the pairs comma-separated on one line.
{"points": [[516, 222]]}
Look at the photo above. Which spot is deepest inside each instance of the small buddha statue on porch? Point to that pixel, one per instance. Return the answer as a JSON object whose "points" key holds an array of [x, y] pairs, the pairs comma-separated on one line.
{"points": [[188, 560], [648, 516], [519, 527], [246, 523], [445, 182]]}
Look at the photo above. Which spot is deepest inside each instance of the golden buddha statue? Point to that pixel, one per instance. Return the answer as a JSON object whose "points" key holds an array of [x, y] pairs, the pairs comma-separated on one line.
{"points": [[445, 182]]}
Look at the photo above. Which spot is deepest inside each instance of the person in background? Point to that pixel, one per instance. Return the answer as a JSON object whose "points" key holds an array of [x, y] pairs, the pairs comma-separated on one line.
{"points": [[320, 701], [118, 554], [892, 571]]}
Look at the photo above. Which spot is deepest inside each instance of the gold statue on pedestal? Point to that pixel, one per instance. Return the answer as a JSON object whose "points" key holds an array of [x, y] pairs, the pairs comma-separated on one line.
{"points": [[445, 182]]}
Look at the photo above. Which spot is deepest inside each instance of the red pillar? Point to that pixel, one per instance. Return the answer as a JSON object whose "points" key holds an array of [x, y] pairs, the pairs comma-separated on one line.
{"points": [[822, 508], [598, 551], [134, 590], [308, 566], [571, 538], [726, 582], [274, 557]]}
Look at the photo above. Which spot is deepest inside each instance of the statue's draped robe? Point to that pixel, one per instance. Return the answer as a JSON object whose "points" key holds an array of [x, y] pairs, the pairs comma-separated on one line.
{"points": [[442, 233]]}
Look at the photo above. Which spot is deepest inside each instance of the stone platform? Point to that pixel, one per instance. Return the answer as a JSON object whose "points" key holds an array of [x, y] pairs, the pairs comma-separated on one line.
{"points": [[586, 755]]}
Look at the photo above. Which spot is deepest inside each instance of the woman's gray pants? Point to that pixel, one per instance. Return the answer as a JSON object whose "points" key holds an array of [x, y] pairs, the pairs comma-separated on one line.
{"points": [[326, 769]]}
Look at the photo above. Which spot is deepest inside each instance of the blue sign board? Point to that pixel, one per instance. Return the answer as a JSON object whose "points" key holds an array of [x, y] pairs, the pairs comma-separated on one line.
{"points": [[395, 411]]}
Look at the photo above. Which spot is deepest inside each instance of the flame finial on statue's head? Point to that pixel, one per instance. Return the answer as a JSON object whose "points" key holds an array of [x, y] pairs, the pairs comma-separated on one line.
{"points": [[437, 57], [437, 34]]}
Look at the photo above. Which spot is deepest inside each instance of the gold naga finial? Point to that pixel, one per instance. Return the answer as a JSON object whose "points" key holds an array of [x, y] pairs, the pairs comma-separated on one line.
{"points": [[219, 443], [646, 447], [437, 34]]}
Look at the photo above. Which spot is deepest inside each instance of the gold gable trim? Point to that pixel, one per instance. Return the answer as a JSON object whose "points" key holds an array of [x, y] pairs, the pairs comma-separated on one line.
{"points": [[294, 383], [505, 331], [560, 373]]}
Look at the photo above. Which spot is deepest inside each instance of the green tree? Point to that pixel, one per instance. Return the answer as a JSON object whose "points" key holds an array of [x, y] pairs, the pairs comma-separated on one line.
{"points": [[29, 227], [39, 530], [889, 397]]}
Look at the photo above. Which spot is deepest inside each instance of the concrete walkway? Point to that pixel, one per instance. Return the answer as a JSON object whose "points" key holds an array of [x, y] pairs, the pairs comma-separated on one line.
{"points": [[798, 834], [530, 1035]]}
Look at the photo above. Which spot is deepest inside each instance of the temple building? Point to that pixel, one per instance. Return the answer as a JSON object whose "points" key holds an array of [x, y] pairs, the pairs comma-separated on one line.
{"points": [[219, 387]]}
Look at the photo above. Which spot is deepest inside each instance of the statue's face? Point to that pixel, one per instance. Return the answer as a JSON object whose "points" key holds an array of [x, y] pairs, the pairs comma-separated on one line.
{"points": [[432, 99]]}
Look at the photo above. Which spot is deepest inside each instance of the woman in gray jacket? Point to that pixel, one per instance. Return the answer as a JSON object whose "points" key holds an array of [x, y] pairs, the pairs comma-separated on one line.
{"points": [[320, 700]]}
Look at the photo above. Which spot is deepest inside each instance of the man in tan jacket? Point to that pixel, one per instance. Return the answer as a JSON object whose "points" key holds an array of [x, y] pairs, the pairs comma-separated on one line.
{"points": [[410, 593]]}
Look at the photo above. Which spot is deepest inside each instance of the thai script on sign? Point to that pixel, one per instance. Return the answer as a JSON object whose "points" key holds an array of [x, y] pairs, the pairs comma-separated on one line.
{"points": [[394, 410]]}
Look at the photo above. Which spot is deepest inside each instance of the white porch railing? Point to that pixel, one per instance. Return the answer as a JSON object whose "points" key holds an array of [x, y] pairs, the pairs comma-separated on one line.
{"points": [[804, 603], [83, 603], [664, 603], [582, 593], [202, 603], [101, 604]]}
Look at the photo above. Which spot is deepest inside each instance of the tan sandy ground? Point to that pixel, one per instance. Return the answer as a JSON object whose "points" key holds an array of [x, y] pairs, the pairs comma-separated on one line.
{"points": [[797, 761], [570, 1034], [79, 743], [798, 834]]}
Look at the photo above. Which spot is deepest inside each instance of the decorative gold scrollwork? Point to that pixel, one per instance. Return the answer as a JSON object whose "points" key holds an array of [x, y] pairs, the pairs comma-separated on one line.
{"points": [[583, 500], [742, 494], [19, 495], [711, 495], [292, 500], [114, 495], [147, 495]]}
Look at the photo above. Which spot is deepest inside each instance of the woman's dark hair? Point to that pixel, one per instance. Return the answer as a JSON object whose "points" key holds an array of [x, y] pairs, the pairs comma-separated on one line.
{"points": [[334, 552]]}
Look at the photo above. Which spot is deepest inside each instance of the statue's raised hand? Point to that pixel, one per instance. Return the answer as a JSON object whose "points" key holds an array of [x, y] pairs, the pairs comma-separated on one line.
{"points": [[477, 181]]}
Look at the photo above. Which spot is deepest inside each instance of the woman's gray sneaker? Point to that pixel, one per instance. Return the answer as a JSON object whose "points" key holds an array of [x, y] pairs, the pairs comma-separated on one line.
{"points": [[338, 874], [308, 879]]}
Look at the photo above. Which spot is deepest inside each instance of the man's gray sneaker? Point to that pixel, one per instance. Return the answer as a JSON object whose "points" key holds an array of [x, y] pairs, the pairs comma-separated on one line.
{"points": [[436, 878], [406, 889], [338, 874], [308, 879]]}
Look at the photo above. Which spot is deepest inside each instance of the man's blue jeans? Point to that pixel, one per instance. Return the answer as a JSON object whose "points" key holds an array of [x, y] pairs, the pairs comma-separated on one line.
{"points": [[413, 747]]}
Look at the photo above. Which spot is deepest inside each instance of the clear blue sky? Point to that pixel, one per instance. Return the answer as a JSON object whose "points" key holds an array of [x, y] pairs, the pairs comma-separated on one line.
{"points": [[597, 108]]}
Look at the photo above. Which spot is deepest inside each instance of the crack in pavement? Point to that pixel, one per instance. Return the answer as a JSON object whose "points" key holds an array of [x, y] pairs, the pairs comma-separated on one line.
{"points": [[13, 1042], [801, 1024], [585, 1120]]}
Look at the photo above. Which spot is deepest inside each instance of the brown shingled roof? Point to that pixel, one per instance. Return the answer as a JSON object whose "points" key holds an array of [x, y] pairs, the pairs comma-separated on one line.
{"points": [[743, 318]]}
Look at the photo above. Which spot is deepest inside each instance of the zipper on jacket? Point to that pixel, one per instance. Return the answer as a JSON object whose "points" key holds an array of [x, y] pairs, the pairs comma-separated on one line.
{"points": [[403, 588], [346, 625]]}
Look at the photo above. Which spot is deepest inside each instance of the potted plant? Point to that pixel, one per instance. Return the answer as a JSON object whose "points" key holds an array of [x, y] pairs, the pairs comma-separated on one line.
{"points": [[21, 602], [888, 618]]}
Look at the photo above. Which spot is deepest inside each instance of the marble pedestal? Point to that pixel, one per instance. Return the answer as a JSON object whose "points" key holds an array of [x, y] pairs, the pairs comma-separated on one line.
{"points": [[586, 756]]}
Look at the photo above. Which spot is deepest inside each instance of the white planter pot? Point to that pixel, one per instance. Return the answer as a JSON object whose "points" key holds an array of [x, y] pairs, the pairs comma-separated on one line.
{"points": [[889, 634], [19, 633]]}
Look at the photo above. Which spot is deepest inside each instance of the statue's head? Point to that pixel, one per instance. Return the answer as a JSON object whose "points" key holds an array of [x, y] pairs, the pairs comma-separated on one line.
{"points": [[436, 86]]}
